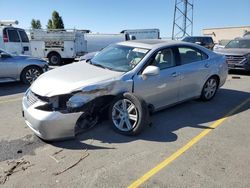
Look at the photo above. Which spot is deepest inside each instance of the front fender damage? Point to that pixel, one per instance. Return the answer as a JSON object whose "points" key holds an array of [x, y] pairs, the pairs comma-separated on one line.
{"points": [[91, 102], [94, 92]]}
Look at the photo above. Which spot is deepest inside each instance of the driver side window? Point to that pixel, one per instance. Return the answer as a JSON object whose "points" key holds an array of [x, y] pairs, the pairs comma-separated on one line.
{"points": [[164, 59]]}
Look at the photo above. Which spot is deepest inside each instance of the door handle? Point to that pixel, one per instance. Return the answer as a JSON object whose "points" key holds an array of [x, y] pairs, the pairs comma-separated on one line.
{"points": [[207, 65], [175, 74]]}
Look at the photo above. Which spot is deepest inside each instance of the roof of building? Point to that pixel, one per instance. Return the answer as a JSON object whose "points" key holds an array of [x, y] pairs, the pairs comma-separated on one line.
{"points": [[229, 27]]}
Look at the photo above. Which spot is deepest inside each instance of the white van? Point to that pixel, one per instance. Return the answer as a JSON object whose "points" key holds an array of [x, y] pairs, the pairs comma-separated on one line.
{"points": [[13, 40], [139, 34], [98, 41]]}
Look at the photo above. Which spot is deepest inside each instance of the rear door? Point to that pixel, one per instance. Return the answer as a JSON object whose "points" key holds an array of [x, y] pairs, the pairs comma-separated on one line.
{"points": [[13, 45], [193, 68], [25, 44]]}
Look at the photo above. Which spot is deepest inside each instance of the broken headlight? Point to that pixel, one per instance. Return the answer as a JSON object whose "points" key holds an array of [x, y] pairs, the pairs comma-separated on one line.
{"points": [[78, 100]]}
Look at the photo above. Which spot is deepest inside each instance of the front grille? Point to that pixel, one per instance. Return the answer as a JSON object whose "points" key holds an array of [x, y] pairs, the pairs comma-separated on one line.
{"points": [[30, 98], [235, 59]]}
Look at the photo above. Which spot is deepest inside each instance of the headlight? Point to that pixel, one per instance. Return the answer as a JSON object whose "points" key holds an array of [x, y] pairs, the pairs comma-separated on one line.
{"points": [[46, 68], [248, 56], [78, 100]]}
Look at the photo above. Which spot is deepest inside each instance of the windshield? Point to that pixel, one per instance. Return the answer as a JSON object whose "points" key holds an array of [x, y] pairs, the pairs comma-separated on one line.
{"points": [[238, 44], [119, 57]]}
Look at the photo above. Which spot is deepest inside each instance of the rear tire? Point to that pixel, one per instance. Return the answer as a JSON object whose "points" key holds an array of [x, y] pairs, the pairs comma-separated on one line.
{"points": [[30, 74], [128, 114], [209, 89], [54, 59]]}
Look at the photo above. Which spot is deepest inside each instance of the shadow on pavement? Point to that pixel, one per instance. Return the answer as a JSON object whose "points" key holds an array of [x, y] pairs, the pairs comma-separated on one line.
{"points": [[12, 88], [240, 72], [189, 114]]}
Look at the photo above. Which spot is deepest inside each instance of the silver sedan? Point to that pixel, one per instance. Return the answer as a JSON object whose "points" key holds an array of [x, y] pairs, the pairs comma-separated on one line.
{"points": [[124, 81], [20, 67]]}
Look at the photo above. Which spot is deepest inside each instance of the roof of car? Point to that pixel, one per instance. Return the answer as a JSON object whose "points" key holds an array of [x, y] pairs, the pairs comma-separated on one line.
{"points": [[198, 37], [151, 43]]}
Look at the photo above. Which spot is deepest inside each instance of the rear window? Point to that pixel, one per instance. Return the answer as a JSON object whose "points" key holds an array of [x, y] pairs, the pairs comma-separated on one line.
{"points": [[13, 36], [208, 40], [190, 55], [23, 36]]}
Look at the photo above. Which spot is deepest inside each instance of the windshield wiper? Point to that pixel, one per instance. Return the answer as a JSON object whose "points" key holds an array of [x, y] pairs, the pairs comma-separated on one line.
{"points": [[99, 65]]}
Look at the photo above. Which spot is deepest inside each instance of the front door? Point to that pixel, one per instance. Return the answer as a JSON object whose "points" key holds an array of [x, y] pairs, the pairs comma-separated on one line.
{"points": [[14, 44], [162, 89]]}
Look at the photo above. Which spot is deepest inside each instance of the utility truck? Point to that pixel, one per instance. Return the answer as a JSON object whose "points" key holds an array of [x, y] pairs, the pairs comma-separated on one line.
{"points": [[58, 45]]}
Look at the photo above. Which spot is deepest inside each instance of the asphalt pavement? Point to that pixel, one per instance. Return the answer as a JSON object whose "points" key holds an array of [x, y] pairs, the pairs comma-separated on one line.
{"points": [[155, 158]]}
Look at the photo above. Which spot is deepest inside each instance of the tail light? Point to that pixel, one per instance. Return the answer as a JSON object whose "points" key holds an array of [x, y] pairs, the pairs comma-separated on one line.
{"points": [[5, 37]]}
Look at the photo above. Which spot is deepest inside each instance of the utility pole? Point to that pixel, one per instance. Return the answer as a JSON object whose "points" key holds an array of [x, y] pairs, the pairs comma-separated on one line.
{"points": [[183, 19]]}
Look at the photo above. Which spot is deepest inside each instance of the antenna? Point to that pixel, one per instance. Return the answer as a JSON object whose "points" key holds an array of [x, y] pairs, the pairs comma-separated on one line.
{"points": [[183, 19]]}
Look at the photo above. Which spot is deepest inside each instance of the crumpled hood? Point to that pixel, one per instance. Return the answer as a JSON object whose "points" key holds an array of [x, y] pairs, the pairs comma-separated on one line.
{"points": [[233, 51], [69, 78]]}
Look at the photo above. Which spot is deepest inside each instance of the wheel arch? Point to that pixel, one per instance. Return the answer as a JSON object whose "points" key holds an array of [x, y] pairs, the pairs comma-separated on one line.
{"points": [[26, 67], [53, 52]]}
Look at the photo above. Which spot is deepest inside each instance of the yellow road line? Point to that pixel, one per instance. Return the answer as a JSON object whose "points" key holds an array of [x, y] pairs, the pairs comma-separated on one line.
{"points": [[179, 152], [10, 100]]}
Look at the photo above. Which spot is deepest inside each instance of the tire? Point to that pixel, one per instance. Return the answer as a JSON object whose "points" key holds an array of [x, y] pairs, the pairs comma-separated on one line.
{"points": [[30, 74], [128, 114], [209, 89], [54, 59]]}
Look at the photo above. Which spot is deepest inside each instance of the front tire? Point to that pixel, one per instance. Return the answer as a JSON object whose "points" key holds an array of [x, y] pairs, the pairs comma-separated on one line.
{"points": [[30, 74], [209, 89], [54, 59], [128, 114]]}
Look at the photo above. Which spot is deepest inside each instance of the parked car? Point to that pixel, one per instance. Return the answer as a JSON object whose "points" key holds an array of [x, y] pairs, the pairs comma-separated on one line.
{"points": [[128, 80], [221, 44], [237, 53], [205, 41], [20, 67], [12, 39]]}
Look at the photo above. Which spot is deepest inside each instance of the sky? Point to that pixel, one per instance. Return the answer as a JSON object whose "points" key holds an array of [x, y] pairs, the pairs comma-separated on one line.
{"points": [[113, 16]]}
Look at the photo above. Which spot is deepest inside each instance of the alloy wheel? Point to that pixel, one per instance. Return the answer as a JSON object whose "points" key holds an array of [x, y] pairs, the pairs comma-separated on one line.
{"points": [[124, 115], [32, 74], [210, 88]]}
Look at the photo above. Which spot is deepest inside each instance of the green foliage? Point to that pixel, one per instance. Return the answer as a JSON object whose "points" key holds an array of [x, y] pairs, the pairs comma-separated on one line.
{"points": [[55, 22], [50, 24], [36, 24]]}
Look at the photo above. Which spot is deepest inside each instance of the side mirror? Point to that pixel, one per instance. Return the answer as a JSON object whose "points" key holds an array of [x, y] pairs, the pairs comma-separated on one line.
{"points": [[150, 71]]}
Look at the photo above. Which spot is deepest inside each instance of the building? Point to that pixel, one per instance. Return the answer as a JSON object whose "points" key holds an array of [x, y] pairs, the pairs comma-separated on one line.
{"points": [[226, 33]]}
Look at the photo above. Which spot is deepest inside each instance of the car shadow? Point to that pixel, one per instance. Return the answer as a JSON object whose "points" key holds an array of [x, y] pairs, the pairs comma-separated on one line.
{"points": [[239, 72], [12, 88], [192, 114]]}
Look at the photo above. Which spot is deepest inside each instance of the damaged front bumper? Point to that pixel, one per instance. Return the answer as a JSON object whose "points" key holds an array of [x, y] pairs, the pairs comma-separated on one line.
{"points": [[49, 125]]}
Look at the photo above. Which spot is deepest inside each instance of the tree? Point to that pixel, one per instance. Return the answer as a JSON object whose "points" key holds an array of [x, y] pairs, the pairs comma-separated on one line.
{"points": [[55, 22], [50, 24], [36, 24]]}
